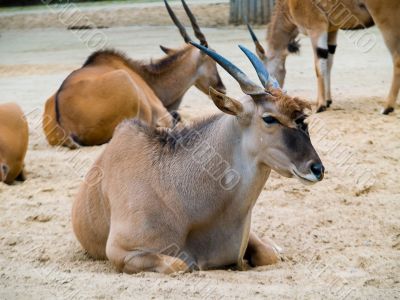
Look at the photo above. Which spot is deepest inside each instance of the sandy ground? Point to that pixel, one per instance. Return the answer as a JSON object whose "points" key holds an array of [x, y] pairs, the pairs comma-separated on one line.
{"points": [[341, 236], [208, 12]]}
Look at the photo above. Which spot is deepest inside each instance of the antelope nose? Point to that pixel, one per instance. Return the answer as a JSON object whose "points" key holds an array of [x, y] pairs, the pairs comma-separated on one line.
{"points": [[318, 170]]}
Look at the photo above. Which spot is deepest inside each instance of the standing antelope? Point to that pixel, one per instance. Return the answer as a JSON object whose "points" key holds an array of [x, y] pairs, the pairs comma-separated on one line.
{"points": [[167, 200], [110, 87], [321, 20], [14, 135]]}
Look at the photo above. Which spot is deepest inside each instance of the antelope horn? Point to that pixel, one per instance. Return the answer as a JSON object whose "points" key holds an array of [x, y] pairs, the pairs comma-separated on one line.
{"points": [[248, 87], [197, 32], [260, 49], [266, 79], [178, 24]]}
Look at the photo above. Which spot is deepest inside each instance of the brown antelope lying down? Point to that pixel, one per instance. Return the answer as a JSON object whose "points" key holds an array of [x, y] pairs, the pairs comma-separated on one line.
{"points": [[14, 135], [321, 20], [169, 200], [110, 87]]}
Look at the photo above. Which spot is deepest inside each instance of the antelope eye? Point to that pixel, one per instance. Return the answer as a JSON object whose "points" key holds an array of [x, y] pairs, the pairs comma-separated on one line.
{"points": [[270, 120]]}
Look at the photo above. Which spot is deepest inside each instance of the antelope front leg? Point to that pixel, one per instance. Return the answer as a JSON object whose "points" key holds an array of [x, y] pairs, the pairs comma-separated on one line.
{"points": [[261, 253], [319, 40]]}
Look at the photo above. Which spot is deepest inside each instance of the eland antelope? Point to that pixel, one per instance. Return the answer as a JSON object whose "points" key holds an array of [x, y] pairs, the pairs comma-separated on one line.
{"points": [[14, 135], [321, 20], [111, 87], [167, 200]]}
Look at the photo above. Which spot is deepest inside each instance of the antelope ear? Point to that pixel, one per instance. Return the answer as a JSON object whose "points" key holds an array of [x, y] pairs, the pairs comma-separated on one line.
{"points": [[226, 104], [166, 50], [260, 52]]}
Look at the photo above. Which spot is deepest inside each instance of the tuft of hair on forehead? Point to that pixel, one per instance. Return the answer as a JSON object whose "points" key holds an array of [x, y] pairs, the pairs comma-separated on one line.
{"points": [[292, 107]]}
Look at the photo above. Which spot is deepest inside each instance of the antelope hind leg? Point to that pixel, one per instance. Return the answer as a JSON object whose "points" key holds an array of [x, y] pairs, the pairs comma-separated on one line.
{"points": [[136, 261], [394, 89], [319, 41], [261, 253], [332, 43]]}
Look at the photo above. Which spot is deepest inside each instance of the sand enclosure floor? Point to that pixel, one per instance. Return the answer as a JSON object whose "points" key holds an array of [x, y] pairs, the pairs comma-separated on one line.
{"points": [[341, 236]]}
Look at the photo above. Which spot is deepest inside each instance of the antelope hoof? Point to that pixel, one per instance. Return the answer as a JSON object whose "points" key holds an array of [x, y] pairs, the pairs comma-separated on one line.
{"points": [[21, 176], [71, 144], [387, 110], [322, 108], [268, 256], [328, 103], [278, 250], [176, 116]]}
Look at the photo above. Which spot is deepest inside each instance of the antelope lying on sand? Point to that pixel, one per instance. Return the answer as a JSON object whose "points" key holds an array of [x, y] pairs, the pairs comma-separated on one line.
{"points": [[321, 20], [14, 135], [110, 87], [178, 199]]}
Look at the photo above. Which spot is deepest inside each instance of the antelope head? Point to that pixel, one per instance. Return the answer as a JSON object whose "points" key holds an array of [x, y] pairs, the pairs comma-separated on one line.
{"points": [[207, 73], [274, 61], [273, 124]]}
